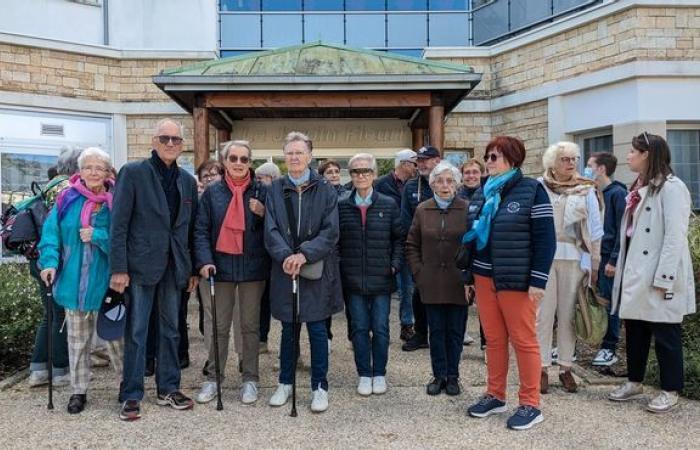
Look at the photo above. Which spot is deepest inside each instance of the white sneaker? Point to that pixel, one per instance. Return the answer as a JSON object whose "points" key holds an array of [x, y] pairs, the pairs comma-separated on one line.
{"points": [[604, 357], [378, 385], [38, 378], [663, 402], [207, 393], [468, 340], [319, 400], [249, 393], [281, 395], [364, 387], [63, 380], [627, 391]]}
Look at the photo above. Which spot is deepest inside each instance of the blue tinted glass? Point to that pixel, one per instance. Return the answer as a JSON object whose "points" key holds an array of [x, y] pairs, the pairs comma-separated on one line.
{"points": [[365, 30], [281, 30], [323, 5], [281, 5], [563, 5], [364, 5], [240, 31], [326, 28], [449, 29], [240, 5], [490, 21], [229, 53], [407, 5], [448, 5], [522, 15], [415, 52], [407, 30]]}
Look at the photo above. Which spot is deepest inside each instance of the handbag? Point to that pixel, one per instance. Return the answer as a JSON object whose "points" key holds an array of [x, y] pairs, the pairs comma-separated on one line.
{"points": [[591, 318], [309, 271]]}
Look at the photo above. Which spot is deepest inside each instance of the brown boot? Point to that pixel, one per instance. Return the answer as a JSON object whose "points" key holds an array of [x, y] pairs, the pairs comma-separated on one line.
{"points": [[567, 380], [544, 381]]}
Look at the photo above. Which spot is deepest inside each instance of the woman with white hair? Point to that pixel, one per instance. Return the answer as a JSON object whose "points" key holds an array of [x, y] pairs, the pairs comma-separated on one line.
{"points": [[579, 232], [431, 246], [74, 249]]}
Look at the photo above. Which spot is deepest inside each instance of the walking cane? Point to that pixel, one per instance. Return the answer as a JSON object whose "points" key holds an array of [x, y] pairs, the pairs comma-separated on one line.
{"points": [[219, 405], [295, 340], [49, 338]]}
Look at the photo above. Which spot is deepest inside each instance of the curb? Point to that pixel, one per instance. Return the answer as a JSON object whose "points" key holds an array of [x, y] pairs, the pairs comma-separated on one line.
{"points": [[12, 380]]}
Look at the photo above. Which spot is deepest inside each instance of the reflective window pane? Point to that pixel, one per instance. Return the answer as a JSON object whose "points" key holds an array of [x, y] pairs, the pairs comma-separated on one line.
{"points": [[414, 52], [365, 5], [323, 5], [281, 30], [523, 14], [407, 5], [230, 53], [685, 160], [448, 5], [326, 28], [563, 5], [407, 30], [240, 31], [281, 5], [448, 29], [240, 5], [365, 30], [490, 21]]}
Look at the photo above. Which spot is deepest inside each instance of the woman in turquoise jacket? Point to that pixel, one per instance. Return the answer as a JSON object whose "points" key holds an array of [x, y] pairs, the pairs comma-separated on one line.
{"points": [[74, 255]]}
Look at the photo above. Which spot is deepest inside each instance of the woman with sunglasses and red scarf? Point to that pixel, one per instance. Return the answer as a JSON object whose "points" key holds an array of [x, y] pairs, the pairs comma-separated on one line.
{"points": [[654, 285], [228, 240]]}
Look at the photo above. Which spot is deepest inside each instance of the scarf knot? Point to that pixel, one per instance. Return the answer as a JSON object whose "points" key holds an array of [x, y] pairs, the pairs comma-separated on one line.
{"points": [[230, 238]]}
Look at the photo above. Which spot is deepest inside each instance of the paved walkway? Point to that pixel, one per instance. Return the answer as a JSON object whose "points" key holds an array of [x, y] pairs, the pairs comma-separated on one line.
{"points": [[403, 418]]}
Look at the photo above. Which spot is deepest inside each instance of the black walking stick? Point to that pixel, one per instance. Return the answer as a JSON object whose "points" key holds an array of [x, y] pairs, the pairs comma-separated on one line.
{"points": [[49, 337], [219, 405], [295, 340]]}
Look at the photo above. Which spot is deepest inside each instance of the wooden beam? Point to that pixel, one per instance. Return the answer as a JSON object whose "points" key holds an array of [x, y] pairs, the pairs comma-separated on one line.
{"points": [[436, 126], [317, 99], [218, 120], [201, 135], [417, 137], [222, 136]]}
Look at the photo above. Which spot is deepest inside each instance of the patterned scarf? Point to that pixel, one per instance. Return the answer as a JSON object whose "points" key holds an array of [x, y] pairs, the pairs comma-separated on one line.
{"points": [[93, 200], [632, 201]]}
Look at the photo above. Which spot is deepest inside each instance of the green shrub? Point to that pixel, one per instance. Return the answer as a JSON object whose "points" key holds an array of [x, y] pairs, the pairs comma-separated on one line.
{"points": [[20, 311]]}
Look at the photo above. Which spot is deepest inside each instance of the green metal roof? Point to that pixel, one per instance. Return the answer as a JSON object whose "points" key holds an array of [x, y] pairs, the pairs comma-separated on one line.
{"points": [[317, 59]]}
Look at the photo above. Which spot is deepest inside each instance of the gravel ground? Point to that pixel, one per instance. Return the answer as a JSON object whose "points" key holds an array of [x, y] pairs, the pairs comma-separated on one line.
{"points": [[403, 418]]}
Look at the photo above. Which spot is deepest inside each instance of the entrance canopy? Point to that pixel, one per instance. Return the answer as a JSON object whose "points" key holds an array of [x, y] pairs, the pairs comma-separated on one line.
{"points": [[318, 81]]}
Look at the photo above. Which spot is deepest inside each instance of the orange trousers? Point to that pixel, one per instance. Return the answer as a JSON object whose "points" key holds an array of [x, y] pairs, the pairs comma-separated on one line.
{"points": [[509, 316]]}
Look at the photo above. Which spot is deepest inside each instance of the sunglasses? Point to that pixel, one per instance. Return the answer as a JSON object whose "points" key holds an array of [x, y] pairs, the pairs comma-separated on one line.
{"points": [[359, 172], [493, 157], [234, 159], [176, 140]]}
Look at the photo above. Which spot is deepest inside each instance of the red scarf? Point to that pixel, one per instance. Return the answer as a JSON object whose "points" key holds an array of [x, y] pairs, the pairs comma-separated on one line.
{"points": [[632, 199], [230, 239]]}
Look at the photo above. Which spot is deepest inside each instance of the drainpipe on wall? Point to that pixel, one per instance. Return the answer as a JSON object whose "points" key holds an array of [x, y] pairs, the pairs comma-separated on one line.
{"points": [[105, 21]]}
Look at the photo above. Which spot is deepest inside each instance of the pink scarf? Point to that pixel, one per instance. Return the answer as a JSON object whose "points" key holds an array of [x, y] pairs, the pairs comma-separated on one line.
{"points": [[92, 199], [632, 200], [230, 238]]}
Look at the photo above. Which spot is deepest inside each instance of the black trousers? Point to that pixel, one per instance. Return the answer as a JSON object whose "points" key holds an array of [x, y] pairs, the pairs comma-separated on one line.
{"points": [[420, 318], [669, 351]]}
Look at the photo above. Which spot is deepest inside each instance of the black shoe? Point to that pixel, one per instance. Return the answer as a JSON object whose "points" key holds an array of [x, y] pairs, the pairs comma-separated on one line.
{"points": [[416, 342], [176, 400], [184, 362], [406, 332], [131, 410], [452, 386], [436, 386], [150, 368], [205, 372], [76, 403]]}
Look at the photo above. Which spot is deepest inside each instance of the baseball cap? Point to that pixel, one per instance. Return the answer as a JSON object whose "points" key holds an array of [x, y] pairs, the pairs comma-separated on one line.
{"points": [[111, 319], [428, 152], [405, 155]]}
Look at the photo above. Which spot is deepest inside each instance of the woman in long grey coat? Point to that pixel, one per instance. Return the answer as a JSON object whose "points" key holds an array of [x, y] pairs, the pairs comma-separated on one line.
{"points": [[654, 285], [313, 203]]}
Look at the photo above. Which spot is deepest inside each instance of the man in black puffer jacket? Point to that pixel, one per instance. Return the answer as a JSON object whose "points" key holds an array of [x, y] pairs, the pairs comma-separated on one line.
{"points": [[371, 252]]}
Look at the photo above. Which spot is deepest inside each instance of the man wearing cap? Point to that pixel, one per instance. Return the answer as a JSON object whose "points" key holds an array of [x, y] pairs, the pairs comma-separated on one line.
{"points": [[417, 191], [155, 204], [393, 184]]}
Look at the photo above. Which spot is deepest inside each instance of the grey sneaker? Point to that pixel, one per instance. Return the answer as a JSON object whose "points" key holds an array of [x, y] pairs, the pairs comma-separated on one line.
{"points": [[38, 378], [207, 393], [604, 357], [249, 393], [627, 391], [663, 402]]}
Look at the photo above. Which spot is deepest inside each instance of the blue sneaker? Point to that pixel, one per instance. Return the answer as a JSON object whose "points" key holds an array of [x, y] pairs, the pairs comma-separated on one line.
{"points": [[487, 405], [525, 417]]}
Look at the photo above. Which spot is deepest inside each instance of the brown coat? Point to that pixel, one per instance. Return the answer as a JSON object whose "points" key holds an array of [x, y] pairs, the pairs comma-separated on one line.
{"points": [[431, 247]]}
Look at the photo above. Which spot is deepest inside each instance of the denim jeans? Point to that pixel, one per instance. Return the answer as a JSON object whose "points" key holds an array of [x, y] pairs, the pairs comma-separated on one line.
{"points": [[605, 286], [370, 314], [142, 299], [446, 325], [59, 340], [404, 281], [183, 348], [319, 353]]}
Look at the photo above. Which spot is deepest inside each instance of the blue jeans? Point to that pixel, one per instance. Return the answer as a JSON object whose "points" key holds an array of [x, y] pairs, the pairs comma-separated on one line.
{"points": [[318, 338], [370, 314], [404, 281], [605, 286], [142, 300], [446, 335]]}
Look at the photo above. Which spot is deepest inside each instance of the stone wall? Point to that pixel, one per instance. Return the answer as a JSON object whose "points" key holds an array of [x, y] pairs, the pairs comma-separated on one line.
{"points": [[140, 128]]}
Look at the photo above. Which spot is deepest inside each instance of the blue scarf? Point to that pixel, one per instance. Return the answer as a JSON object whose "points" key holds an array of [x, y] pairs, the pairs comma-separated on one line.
{"points": [[367, 201], [481, 228], [443, 204], [302, 179]]}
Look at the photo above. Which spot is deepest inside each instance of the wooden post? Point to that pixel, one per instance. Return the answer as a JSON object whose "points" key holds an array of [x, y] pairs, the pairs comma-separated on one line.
{"points": [[201, 135], [436, 126], [417, 137], [222, 136]]}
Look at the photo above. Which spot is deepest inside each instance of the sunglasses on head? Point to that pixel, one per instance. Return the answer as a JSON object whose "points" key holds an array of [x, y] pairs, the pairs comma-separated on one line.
{"points": [[164, 139], [646, 138], [493, 157], [234, 159], [362, 171]]}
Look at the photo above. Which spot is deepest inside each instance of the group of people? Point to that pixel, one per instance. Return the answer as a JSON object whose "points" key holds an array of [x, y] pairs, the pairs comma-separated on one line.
{"points": [[303, 247]]}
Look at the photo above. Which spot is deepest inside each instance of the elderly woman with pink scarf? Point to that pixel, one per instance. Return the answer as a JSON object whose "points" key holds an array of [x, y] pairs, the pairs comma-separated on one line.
{"points": [[74, 256]]}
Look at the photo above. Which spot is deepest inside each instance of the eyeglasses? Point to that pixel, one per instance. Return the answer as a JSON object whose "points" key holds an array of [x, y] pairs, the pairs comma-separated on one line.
{"points": [[94, 169], [569, 159], [164, 139], [234, 159], [331, 172], [493, 157], [361, 172], [412, 163], [210, 176]]}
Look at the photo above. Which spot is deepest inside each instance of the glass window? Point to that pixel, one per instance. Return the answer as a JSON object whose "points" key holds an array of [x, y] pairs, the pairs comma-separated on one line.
{"points": [[324, 27], [407, 30], [323, 5], [448, 5], [365, 30], [281, 5], [523, 14], [230, 53], [448, 29], [407, 5], [490, 21], [414, 52], [281, 30], [595, 144], [240, 31], [563, 5], [685, 160], [365, 5], [240, 5]]}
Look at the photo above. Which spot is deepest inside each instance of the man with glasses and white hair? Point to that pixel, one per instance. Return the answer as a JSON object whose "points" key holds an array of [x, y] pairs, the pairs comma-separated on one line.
{"points": [[155, 203]]}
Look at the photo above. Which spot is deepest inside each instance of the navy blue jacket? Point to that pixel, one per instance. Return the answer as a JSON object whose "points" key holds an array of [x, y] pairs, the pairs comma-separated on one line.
{"points": [[614, 197], [412, 196], [254, 263], [387, 185]]}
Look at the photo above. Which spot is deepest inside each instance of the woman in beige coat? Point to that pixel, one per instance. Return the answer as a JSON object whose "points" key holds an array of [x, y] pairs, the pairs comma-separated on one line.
{"points": [[654, 285]]}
